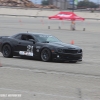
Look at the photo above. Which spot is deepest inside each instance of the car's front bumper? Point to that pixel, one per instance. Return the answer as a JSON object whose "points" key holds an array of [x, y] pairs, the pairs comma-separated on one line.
{"points": [[67, 57]]}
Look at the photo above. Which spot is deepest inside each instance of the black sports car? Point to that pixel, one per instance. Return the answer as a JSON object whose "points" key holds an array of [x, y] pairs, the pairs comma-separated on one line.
{"points": [[39, 46]]}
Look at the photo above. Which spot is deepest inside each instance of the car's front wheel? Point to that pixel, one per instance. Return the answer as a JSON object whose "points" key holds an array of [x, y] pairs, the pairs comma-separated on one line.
{"points": [[46, 55], [7, 51]]}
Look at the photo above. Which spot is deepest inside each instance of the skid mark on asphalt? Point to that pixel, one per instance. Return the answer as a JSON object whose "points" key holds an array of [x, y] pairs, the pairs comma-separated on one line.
{"points": [[44, 71]]}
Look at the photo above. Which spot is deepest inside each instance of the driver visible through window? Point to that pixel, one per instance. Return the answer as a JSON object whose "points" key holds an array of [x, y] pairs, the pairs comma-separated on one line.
{"points": [[26, 37]]}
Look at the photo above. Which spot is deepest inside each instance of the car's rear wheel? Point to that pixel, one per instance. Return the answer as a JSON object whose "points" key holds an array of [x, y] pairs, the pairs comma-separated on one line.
{"points": [[7, 51], [46, 55]]}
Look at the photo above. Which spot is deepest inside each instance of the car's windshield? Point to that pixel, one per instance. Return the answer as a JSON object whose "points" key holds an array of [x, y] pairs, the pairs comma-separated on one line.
{"points": [[46, 38]]}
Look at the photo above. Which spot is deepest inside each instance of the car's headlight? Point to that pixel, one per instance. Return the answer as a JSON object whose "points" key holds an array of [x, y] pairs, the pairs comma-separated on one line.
{"points": [[60, 50], [80, 51]]}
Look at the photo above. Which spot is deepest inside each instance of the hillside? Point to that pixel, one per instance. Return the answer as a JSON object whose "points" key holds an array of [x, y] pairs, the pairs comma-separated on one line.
{"points": [[23, 3], [17, 3]]}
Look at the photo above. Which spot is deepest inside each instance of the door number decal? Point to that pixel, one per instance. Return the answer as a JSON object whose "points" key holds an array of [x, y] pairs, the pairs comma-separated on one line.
{"points": [[29, 48]]}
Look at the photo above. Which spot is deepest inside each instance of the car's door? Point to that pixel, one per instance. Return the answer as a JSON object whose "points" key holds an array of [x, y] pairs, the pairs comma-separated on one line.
{"points": [[25, 46]]}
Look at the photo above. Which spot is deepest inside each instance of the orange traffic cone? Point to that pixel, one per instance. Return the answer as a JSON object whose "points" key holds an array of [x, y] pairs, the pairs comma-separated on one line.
{"points": [[72, 42]]}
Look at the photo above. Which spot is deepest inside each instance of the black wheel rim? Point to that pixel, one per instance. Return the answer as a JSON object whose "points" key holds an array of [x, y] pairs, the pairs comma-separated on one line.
{"points": [[6, 51], [45, 55]]}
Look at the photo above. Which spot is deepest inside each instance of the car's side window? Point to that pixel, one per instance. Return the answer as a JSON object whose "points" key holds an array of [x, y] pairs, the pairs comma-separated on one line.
{"points": [[26, 37], [30, 37], [18, 37]]}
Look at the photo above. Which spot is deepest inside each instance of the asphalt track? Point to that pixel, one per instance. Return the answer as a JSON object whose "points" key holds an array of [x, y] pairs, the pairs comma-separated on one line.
{"points": [[26, 79]]}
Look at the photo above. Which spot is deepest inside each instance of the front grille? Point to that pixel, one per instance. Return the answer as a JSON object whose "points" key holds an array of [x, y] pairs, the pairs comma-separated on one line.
{"points": [[71, 57], [72, 51]]}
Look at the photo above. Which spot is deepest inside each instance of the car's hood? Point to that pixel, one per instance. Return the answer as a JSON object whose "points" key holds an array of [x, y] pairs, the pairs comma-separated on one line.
{"points": [[62, 45]]}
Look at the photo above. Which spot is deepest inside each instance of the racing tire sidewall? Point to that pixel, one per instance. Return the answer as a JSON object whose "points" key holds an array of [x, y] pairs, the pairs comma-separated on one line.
{"points": [[46, 55], [7, 51]]}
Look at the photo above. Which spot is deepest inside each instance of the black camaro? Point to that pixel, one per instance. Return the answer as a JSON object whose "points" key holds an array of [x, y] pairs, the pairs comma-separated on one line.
{"points": [[39, 46]]}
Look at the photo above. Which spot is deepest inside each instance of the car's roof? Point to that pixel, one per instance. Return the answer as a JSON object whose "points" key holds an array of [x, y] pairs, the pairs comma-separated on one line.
{"points": [[35, 33]]}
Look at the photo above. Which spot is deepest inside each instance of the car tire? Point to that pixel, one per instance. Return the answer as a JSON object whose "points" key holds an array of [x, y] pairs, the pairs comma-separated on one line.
{"points": [[7, 51], [46, 55]]}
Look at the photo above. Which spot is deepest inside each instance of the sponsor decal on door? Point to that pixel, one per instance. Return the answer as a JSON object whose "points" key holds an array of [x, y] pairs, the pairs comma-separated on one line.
{"points": [[29, 51]]}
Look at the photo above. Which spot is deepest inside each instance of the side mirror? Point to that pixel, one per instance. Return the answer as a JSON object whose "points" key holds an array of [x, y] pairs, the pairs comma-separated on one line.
{"points": [[32, 40]]}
